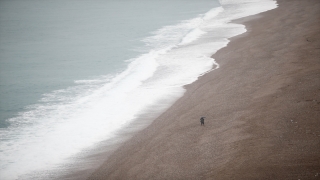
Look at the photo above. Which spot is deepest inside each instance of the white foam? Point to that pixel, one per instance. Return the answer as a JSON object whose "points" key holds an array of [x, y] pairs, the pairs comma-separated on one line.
{"points": [[225, 2], [64, 124], [192, 36]]}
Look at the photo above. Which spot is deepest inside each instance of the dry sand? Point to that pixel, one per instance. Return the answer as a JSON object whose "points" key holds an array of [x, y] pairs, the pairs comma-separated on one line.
{"points": [[262, 109]]}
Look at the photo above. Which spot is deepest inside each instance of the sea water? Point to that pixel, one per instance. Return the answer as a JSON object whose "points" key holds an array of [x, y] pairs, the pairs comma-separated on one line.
{"points": [[74, 73]]}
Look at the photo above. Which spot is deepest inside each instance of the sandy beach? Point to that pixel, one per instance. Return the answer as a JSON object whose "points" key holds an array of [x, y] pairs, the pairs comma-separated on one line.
{"points": [[262, 109]]}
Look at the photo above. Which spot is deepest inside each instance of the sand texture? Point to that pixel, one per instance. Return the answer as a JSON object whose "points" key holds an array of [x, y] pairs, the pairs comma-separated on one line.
{"points": [[262, 109]]}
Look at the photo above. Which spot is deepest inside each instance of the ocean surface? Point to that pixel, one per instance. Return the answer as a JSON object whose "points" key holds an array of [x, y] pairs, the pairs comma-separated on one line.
{"points": [[75, 73]]}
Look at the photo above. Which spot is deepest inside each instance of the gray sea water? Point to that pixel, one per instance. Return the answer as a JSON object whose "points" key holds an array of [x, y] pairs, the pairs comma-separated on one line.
{"points": [[46, 45], [75, 72]]}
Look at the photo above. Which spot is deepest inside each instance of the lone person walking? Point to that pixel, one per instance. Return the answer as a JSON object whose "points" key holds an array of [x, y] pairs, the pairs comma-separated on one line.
{"points": [[202, 121]]}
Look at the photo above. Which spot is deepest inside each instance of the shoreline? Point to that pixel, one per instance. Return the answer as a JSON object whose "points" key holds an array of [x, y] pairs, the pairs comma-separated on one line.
{"points": [[262, 109]]}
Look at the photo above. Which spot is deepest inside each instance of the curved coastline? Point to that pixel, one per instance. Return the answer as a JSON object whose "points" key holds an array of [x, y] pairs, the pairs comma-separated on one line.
{"points": [[262, 109]]}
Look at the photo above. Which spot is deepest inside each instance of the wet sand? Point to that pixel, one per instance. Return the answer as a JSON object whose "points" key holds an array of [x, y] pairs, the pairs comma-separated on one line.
{"points": [[262, 109]]}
